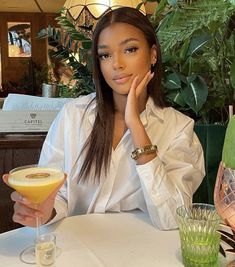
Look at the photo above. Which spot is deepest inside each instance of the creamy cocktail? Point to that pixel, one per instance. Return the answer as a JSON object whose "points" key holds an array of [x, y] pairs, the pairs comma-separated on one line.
{"points": [[35, 183]]}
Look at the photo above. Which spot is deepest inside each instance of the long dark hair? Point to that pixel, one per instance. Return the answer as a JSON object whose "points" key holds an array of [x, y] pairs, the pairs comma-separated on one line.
{"points": [[98, 146]]}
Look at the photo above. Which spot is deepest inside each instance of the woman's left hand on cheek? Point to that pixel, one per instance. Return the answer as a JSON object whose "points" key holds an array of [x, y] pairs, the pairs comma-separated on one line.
{"points": [[132, 111]]}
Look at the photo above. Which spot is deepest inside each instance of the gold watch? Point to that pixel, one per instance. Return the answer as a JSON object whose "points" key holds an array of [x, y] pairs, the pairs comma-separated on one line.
{"points": [[144, 150]]}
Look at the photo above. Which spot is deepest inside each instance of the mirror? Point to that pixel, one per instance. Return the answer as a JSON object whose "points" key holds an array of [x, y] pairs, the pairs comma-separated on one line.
{"points": [[19, 39]]}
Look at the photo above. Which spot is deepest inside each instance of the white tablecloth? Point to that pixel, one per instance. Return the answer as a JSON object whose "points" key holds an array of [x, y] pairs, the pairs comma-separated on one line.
{"points": [[101, 240]]}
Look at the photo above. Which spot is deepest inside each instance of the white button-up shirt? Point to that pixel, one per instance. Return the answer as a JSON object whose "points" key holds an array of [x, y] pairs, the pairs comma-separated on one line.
{"points": [[157, 187]]}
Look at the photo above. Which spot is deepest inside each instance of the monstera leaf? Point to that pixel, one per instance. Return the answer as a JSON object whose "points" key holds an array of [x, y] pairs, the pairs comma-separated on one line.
{"points": [[195, 93]]}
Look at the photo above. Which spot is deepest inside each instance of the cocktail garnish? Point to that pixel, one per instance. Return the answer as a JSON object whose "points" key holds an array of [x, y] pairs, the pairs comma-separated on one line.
{"points": [[37, 175]]}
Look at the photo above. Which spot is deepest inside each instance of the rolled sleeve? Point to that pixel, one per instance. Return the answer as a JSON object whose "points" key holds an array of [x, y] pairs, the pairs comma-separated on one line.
{"points": [[170, 179], [60, 207]]}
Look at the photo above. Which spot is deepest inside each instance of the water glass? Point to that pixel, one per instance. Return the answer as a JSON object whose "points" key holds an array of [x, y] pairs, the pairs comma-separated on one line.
{"points": [[45, 249], [198, 225]]}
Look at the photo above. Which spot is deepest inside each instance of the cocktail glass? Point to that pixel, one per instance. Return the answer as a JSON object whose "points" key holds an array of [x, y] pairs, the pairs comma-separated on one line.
{"points": [[35, 183], [224, 199]]}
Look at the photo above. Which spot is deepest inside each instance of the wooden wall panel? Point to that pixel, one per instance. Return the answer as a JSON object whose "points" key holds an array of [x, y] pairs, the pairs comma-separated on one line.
{"points": [[15, 151]]}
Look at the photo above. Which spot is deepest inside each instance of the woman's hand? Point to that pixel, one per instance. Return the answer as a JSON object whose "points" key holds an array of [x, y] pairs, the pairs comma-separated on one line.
{"points": [[26, 212], [136, 99], [136, 103]]}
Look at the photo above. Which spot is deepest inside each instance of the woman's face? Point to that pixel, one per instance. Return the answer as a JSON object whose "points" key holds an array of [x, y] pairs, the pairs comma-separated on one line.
{"points": [[123, 54]]}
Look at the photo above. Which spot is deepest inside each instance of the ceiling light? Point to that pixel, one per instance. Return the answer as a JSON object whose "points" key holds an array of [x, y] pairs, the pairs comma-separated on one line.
{"points": [[96, 8]]}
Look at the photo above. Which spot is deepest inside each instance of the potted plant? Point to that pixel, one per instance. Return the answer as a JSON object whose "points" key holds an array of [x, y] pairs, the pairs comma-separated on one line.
{"points": [[197, 39], [71, 46]]}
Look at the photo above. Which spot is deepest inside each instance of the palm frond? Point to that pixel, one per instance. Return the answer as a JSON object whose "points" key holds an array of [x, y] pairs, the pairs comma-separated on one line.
{"points": [[184, 21]]}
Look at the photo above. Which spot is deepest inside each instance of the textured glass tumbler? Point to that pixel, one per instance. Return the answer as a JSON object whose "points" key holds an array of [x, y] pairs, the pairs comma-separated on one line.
{"points": [[199, 238]]}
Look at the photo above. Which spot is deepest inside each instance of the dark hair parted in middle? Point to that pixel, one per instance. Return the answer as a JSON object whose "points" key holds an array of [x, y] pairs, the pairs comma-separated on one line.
{"points": [[98, 146]]}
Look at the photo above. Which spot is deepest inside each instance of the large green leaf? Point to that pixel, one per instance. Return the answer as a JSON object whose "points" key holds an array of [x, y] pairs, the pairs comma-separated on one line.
{"points": [[169, 58], [173, 81], [184, 49], [175, 96], [78, 37], [64, 22], [197, 43], [181, 23], [228, 155], [195, 93], [232, 74]]}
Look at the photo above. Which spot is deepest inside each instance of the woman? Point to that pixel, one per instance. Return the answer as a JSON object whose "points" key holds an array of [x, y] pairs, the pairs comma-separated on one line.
{"points": [[121, 148]]}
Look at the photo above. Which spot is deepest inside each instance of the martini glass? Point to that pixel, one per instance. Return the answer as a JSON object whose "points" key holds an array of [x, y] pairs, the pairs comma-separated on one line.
{"points": [[35, 183]]}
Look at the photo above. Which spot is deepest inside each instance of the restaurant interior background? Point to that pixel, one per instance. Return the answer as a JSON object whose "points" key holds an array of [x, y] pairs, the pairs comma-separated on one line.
{"points": [[20, 21], [28, 18], [23, 70], [22, 54]]}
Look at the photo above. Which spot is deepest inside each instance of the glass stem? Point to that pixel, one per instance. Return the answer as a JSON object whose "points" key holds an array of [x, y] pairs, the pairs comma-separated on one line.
{"points": [[38, 223]]}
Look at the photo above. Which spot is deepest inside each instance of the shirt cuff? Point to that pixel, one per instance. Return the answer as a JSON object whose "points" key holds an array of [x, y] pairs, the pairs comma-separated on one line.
{"points": [[153, 177], [61, 211]]}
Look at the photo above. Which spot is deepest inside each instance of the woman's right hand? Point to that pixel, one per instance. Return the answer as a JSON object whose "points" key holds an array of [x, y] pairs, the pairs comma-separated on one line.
{"points": [[25, 212]]}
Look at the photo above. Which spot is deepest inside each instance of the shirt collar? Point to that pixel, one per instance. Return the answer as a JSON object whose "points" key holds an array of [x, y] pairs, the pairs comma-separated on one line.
{"points": [[152, 108], [93, 101]]}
